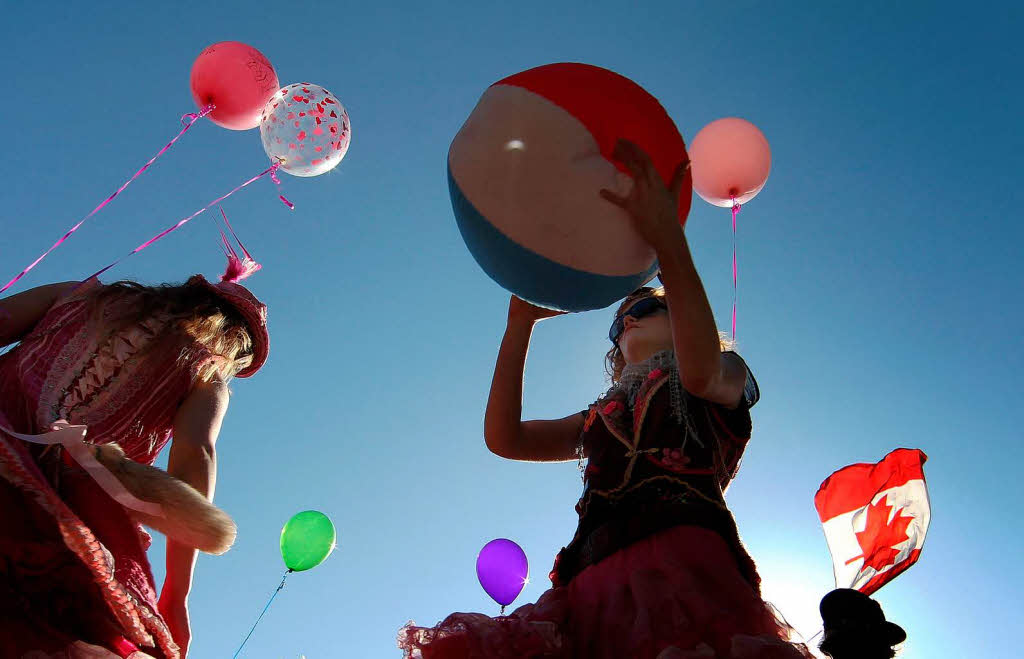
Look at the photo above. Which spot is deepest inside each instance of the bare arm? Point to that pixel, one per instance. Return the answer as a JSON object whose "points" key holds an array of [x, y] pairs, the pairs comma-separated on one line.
{"points": [[703, 370], [506, 434], [21, 312], [193, 459]]}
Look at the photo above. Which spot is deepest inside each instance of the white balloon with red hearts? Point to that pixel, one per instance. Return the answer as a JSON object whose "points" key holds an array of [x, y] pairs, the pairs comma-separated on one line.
{"points": [[306, 129]]}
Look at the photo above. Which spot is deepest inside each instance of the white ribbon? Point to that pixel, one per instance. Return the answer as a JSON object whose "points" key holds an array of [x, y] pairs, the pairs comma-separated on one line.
{"points": [[72, 438]]}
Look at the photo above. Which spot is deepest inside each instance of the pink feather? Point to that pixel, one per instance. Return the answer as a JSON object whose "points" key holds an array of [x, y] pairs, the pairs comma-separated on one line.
{"points": [[238, 267]]}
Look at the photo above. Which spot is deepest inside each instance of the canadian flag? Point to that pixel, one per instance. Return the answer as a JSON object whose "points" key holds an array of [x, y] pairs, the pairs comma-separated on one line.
{"points": [[875, 518]]}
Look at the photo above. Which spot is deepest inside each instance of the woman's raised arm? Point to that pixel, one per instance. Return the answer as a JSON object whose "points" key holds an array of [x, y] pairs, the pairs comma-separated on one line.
{"points": [[506, 434], [194, 461]]}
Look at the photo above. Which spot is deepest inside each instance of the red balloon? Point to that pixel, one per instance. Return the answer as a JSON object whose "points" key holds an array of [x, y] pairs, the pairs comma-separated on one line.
{"points": [[237, 79]]}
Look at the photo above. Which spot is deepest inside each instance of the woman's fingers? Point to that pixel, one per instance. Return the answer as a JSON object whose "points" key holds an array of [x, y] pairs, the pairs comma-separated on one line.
{"points": [[678, 177], [521, 307], [628, 158], [621, 202], [638, 162]]}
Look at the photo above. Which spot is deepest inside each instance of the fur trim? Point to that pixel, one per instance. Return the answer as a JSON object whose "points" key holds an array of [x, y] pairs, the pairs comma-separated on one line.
{"points": [[188, 517]]}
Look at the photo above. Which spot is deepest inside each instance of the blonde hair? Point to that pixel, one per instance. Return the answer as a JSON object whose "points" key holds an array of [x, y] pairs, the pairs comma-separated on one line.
{"points": [[614, 361], [197, 315], [225, 337]]}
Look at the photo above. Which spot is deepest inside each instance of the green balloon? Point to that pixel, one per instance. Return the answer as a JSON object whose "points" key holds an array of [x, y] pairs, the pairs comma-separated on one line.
{"points": [[306, 540]]}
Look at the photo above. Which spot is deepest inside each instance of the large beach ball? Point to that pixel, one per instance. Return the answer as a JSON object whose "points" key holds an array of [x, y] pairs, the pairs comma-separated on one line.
{"points": [[525, 174]]}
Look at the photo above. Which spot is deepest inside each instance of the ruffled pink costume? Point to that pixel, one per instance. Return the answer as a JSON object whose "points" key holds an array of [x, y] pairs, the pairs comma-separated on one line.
{"points": [[74, 577]]}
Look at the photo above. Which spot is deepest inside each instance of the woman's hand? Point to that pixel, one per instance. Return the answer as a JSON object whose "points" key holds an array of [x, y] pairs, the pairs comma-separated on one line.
{"points": [[174, 610], [652, 206], [519, 309]]}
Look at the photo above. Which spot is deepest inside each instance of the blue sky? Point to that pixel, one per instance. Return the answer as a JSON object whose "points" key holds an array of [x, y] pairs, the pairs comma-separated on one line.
{"points": [[879, 284]]}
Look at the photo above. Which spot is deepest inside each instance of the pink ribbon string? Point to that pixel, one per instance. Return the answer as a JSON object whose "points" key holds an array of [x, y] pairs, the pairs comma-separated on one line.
{"points": [[735, 212], [277, 182], [180, 223], [192, 118], [72, 438], [234, 235]]}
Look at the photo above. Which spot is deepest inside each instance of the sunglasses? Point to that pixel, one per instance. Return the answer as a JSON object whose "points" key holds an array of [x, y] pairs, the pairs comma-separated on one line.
{"points": [[644, 307]]}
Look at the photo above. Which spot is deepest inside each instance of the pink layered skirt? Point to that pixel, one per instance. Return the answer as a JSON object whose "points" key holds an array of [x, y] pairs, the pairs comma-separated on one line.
{"points": [[674, 595], [52, 602]]}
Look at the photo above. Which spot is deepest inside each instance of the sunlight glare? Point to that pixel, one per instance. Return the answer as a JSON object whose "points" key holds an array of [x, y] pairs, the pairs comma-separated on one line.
{"points": [[796, 598]]}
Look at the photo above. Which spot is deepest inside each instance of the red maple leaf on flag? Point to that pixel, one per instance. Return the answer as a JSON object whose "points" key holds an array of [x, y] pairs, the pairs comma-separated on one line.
{"points": [[880, 535]]}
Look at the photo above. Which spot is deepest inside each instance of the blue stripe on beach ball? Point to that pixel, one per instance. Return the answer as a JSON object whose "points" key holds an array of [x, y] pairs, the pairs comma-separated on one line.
{"points": [[531, 276]]}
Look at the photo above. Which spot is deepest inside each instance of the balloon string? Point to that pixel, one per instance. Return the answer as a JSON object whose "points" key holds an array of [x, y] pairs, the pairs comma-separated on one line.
{"points": [[735, 212], [277, 182], [192, 117], [283, 579], [270, 170]]}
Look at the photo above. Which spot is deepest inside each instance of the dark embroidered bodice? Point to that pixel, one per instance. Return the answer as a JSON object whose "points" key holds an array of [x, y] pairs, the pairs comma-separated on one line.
{"points": [[649, 470]]}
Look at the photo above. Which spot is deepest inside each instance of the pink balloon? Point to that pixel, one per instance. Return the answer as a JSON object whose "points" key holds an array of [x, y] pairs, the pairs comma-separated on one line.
{"points": [[730, 160], [237, 79]]}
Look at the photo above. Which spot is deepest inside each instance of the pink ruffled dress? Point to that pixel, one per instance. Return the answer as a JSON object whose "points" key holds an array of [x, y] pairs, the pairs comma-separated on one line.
{"points": [[656, 568], [74, 578]]}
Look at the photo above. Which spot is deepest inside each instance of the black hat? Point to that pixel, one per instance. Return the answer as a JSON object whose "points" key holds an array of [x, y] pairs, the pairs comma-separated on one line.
{"points": [[845, 609]]}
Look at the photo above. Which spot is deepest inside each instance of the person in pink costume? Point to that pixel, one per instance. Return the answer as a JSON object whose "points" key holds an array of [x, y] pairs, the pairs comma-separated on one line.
{"points": [[656, 568], [129, 365]]}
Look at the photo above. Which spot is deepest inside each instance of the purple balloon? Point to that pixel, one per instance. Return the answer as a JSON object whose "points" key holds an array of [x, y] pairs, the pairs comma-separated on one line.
{"points": [[502, 570]]}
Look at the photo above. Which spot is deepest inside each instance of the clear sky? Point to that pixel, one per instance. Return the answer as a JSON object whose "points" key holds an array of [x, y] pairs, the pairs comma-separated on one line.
{"points": [[880, 295]]}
